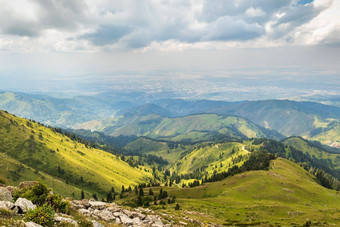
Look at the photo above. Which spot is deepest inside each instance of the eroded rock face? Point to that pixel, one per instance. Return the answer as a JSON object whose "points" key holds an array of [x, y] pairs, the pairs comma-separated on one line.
{"points": [[24, 205], [5, 194]]}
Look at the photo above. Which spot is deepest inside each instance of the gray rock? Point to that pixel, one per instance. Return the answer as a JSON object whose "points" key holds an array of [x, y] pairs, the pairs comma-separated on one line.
{"points": [[96, 224], [5, 194], [65, 220], [138, 215], [32, 224], [118, 214], [137, 222], [85, 203], [24, 205], [126, 220], [106, 215], [98, 205], [84, 212], [7, 204]]}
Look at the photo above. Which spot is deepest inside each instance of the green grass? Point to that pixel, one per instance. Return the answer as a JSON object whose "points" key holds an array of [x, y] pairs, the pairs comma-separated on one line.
{"points": [[44, 150], [332, 159], [286, 195]]}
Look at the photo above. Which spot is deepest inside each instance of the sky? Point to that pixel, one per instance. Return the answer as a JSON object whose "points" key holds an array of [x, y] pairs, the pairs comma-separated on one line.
{"points": [[62, 42]]}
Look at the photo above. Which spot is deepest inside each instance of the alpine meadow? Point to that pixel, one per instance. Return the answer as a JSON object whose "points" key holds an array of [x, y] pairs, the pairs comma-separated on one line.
{"points": [[169, 113]]}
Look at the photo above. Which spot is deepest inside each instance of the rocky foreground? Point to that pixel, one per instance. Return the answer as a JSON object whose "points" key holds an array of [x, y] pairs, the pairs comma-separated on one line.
{"points": [[99, 213]]}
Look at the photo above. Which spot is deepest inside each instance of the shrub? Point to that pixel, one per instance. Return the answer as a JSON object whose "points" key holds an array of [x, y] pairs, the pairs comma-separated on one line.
{"points": [[37, 193], [42, 215], [56, 201]]}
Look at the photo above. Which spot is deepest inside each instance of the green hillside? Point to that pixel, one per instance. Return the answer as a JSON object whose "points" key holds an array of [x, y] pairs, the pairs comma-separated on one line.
{"points": [[285, 195], [189, 128], [310, 120], [331, 159], [32, 150]]}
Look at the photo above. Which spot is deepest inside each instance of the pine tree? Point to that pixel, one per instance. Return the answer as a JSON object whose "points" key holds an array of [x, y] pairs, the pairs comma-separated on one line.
{"points": [[82, 195], [177, 207], [141, 192]]}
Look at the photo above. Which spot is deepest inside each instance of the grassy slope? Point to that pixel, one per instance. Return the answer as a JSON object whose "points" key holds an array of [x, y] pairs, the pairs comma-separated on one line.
{"points": [[43, 149], [306, 147], [192, 127], [286, 195], [210, 157]]}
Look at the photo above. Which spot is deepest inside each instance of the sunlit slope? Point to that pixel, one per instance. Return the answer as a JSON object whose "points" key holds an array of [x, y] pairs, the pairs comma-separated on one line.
{"points": [[211, 158], [189, 128], [285, 195], [55, 154]]}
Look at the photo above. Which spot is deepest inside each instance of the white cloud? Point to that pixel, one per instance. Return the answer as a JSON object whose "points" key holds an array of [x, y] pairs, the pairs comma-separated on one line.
{"points": [[99, 25]]}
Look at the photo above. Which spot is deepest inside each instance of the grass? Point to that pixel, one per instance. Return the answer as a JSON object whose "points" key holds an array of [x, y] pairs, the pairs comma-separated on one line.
{"points": [[286, 195], [43, 150]]}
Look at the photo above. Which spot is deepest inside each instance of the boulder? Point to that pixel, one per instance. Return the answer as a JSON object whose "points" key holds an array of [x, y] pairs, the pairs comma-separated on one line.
{"points": [[85, 203], [118, 214], [12, 189], [26, 184], [5, 194], [137, 222], [24, 205], [96, 224], [32, 224], [84, 212], [106, 215], [97, 205], [65, 220], [126, 220], [7, 204]]}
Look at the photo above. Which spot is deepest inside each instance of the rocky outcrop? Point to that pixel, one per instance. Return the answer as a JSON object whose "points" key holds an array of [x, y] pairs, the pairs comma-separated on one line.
{"points": [[111, 212], [5, 194], [24, 205]]}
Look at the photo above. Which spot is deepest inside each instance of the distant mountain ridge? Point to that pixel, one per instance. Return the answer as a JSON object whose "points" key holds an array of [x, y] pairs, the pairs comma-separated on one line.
{"points": [[290, 118]]}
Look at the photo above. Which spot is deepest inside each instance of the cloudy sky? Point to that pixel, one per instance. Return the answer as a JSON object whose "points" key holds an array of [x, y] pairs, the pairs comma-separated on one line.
{"points": [[60, 39]]}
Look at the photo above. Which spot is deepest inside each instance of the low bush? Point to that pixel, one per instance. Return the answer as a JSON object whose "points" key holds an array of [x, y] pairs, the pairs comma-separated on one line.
{"points": [[42, 215]]}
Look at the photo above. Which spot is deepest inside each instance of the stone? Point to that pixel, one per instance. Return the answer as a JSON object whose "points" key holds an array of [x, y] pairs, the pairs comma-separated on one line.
{"points": [[118, 214], [85, 203], [26, 184], [97, 205], [96, 224], [24, 205], [136, 221], [7, 204], [65, 220], [12, 189], [126, 220], [5, 194], [138, 215], [32, 224], [182, 223], [84, 212], [106, 215]]}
